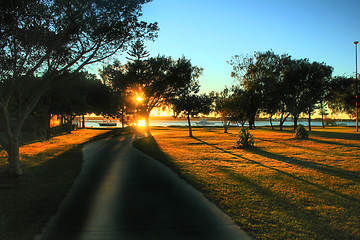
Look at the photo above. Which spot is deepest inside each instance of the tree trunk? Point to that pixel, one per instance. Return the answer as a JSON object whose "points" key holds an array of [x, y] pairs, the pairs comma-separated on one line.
{"points": [[14, 158], [282, 120], [226, 127], [252, 123], [83, 121], [147, 116], [295, 121], [309, 120], [322, 114], [189, 123], [47, 126], [122, 118], [271, 124]]}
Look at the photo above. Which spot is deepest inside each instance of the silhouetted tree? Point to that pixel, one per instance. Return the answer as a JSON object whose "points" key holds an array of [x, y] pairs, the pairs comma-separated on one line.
{"points": [[305, 84], [318, 83], [341, 97], [115, 76], [75, 95], [280, 85], [259, 76], [224, 107], [45, 39], [191, 105], [138, 51], [160, 80]]}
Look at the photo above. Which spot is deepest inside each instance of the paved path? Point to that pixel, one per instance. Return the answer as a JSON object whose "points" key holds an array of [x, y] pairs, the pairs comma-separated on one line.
{"points": [[124, 194]]}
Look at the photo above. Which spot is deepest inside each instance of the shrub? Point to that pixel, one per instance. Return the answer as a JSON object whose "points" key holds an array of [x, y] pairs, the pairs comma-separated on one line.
{"points": [[244, 139], [330, 122], [301, 132]]}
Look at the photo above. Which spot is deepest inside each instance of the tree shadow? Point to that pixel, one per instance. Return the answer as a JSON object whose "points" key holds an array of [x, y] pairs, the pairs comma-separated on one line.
{"points": [[323, 168], [323, 134], [315, 141], [311, 220], [337, 135], [311, 165], [334, 143]]}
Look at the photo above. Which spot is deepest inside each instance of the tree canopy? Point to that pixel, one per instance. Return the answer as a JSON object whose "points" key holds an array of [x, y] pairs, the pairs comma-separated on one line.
{"points": [[281, 85], [45, 39], [191, 105], [155, 80]]}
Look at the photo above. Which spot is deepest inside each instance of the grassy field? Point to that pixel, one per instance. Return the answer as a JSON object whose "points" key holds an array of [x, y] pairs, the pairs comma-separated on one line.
{"points": [[283, 188], [49, 167]]}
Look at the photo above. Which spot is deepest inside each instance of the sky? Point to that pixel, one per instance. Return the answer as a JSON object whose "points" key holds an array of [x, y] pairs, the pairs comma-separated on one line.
{"points": [[210, 32]]}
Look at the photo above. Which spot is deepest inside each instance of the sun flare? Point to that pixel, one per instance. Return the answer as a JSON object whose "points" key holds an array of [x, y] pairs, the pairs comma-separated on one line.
{"points": [[141, 123]]}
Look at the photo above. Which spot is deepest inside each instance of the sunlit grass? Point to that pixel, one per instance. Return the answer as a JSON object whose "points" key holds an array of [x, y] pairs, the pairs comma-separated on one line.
{"points": [[283, 188], [49, 167]]}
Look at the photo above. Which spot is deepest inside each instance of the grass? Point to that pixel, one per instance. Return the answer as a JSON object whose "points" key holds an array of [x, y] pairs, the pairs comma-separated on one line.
{"points": [[49, 169], [283, 188]]}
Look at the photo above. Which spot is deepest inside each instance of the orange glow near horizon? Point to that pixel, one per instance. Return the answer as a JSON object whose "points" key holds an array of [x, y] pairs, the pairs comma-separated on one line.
{"points": [[159, 112]]}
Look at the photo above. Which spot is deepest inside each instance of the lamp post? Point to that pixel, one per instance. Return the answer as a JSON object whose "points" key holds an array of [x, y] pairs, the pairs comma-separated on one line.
{"points": [[357, 88]]}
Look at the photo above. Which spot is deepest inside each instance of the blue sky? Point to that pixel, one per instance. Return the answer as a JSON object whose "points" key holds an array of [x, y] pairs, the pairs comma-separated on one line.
{"points": [[209, 32]]}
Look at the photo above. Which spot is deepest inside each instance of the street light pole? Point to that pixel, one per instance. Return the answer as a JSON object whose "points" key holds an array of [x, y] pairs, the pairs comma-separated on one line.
{"points": [[357, 88]]}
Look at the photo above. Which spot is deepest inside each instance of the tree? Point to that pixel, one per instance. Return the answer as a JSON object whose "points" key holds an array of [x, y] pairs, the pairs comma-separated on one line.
{"points": [[80, 94], [232, 106], [259, 76], [319, 78], [305, 85], [75, 95], [115, 76], [280, 85], [41, 40], [341, 96], [191, 105], [158, 80], [137, 51], [223, 107]]}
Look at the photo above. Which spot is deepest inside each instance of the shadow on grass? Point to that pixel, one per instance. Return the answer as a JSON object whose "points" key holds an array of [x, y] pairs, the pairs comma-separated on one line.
{"points": [[337, 135], [334, 143], [299, 218], [331, 170], [149, 146], [330, 136], [314, 166], [27, 202], [310, 221], [323, 168]]}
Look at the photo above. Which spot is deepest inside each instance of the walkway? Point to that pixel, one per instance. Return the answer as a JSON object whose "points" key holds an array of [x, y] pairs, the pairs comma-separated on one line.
{"points": [[124, 194]]}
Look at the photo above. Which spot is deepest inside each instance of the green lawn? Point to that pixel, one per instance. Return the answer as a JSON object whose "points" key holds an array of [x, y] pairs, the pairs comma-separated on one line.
{"points": [[283, 188]]}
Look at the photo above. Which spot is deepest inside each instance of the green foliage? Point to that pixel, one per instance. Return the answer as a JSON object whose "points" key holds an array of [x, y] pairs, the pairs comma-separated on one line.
{"points": [[245, 139], [301, 132], [330, 122], [232, 107], [342, 96], [44, 40], [279, 84]]}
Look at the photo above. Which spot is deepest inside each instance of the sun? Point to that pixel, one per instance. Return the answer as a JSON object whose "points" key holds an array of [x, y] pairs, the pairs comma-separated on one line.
{"points": [[139, 99], [141, 123]]}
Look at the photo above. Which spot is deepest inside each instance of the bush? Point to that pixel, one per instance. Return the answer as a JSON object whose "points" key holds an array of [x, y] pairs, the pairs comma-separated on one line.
{"points": [[330, 122], [301, 132], [244, 139]]}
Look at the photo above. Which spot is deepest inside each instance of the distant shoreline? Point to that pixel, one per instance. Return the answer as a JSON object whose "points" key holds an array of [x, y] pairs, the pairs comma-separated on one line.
{"points": [[164, 118]]}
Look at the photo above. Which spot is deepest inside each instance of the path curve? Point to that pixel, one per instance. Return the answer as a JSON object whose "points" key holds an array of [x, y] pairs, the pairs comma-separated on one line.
{"points": [[122, 193]]}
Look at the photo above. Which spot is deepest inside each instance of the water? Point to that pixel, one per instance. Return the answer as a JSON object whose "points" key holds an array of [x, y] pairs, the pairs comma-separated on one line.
{"points": [[176, 122]]}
